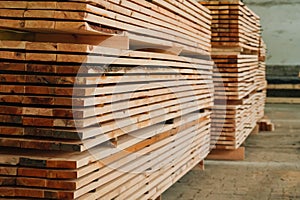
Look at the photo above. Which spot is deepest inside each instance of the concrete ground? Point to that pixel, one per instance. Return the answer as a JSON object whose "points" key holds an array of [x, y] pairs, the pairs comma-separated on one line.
{"points": [[271, 170]]}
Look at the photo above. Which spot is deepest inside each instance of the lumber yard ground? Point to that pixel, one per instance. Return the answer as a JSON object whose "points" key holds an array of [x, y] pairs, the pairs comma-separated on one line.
{"points": [[271, 170]]}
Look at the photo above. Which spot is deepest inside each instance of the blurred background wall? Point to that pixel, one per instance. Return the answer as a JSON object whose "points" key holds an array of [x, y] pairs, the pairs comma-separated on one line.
{"points": [[280, 21], [281, 25]]}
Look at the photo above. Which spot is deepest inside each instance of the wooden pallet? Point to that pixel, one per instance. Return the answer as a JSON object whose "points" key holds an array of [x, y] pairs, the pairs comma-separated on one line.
{"points": [[265, 124], [230, 155]]}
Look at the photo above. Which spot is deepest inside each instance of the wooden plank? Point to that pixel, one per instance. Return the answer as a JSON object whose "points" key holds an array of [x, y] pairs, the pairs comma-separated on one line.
{"points": [[232, 155], [283, 100], [88, 49], [114, 41]]}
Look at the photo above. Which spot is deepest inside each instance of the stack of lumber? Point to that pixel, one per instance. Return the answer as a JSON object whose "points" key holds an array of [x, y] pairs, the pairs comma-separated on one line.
{"points": [[261, 73], [234, 26], [261, 81], [239, 76], [261, 97], [94, 105], [185, 25], [102, 99], [236, 122], [234, 76]]}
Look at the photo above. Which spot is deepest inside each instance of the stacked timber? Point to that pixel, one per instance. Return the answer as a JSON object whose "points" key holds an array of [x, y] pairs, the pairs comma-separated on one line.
{"points": [[185, 25], [261, 73], [102, 99], [91, 102], [234, 26], [261, 79], [239, 75], [235, 122], [234, 76]]}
